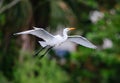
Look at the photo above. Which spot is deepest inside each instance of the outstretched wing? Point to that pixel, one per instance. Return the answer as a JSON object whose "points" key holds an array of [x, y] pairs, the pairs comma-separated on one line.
{"points": [[38, 32], [82, 41]]}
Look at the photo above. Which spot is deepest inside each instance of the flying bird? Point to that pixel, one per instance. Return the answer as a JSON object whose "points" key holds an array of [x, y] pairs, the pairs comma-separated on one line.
{"points": [[56, 40]]}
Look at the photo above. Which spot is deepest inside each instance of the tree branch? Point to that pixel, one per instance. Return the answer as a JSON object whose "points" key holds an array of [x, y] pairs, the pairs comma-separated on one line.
{"points": [[1, 2], [6, 7]]}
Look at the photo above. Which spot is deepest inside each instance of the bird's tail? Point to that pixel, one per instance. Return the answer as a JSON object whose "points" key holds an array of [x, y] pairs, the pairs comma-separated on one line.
{"points": [[24, 32], [42, 43]]}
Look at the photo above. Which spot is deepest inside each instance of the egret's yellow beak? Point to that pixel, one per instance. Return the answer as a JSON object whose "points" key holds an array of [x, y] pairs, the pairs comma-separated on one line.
{"points": [[71, 28]]}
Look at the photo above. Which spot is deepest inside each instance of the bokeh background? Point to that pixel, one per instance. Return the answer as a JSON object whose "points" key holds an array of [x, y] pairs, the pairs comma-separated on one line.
{"points": [[97, 20]]}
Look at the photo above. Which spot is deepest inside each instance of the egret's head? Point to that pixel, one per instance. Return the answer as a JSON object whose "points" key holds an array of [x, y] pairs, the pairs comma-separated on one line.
{"points": [[68, 29]]}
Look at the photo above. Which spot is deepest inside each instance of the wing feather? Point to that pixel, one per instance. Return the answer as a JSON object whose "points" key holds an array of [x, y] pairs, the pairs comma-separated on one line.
{"points": [[82, 41], [38, 32]]}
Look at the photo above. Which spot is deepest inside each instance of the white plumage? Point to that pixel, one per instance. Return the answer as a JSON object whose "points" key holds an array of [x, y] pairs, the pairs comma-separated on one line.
{"points": [[50, 40]]}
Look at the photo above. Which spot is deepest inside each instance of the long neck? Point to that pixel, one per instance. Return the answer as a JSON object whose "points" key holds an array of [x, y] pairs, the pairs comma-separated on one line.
{"points": [[65, 34]]}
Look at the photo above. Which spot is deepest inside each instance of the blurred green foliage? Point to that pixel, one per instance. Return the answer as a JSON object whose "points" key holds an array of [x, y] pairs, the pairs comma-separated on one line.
{"points": [[33, 70], [83, 66]]}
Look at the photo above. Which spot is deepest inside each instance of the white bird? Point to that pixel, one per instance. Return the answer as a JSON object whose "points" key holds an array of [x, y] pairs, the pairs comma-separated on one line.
{"points": [[52, 41]]}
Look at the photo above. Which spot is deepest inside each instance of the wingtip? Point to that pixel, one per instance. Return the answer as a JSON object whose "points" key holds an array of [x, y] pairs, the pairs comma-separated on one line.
{"points": [[94, 47], [15, 34]]}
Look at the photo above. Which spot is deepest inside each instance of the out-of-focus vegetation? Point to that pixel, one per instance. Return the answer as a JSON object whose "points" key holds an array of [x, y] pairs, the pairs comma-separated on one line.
{"points": [[82, 66]]}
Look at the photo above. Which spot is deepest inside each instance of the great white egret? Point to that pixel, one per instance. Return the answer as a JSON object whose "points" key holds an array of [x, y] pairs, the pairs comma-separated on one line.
{"points": [[52, 41]]}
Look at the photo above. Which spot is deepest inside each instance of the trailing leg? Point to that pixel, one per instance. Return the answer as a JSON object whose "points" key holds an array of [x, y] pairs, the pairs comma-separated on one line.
{"points": [[46, 52], [38, 51]]}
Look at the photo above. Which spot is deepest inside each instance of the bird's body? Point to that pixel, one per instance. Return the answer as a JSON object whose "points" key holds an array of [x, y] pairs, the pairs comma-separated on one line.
{"points": [[52, 41], [56, 41]]}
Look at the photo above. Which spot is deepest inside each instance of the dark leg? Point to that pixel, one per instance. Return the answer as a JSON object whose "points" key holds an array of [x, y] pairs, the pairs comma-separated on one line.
{"points": [[46, 52], [38, 51]]}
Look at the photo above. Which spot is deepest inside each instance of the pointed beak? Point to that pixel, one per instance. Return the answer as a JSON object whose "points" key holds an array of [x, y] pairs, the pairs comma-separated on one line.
{"points": [[71, 29]]}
